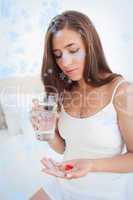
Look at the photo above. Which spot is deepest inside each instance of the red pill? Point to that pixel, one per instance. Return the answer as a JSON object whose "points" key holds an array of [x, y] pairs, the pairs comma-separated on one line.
{"points": [[68, 167]]}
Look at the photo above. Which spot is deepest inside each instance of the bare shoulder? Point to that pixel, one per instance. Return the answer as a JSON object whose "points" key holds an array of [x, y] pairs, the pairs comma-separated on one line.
{"points": [[124, 109], [123, 99], [124, 88]]}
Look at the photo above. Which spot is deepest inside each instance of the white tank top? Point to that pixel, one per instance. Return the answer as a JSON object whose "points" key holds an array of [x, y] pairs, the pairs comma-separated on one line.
{"points": [[96, 136]]}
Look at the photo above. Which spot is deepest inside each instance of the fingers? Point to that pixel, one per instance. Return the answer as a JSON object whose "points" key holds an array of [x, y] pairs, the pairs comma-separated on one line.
{"points": [[44, 163], [35, 103], [51, 168], [35, 123], [59, 169], [35, 115], [36, 106], [67, 170], [53, 172], [47, 163]]}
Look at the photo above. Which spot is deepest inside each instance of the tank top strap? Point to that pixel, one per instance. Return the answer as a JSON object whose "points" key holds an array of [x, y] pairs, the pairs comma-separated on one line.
{"points": [[116, 87]]}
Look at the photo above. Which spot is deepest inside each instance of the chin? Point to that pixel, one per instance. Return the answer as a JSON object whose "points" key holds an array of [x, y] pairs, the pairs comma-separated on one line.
{"points": [[76, 78]]}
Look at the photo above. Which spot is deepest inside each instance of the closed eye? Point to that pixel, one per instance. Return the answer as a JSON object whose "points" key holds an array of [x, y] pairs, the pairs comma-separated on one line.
{"points": [[57, 57], [74, 51], [71, 51]]}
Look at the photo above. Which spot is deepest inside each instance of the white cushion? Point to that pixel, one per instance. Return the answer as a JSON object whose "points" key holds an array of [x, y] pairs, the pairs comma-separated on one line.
{"points": [[15, 97]]}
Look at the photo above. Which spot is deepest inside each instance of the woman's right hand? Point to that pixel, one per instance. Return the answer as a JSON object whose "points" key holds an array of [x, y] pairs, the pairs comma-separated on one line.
{"points": [[43, 121], [35, 118], [33, 115]]}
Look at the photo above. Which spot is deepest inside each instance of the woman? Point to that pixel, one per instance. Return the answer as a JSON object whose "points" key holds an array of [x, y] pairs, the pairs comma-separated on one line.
{"points": [[95, 114]]}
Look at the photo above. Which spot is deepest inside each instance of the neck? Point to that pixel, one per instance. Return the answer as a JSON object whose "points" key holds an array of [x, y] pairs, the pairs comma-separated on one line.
{"points": [[83, 85]]}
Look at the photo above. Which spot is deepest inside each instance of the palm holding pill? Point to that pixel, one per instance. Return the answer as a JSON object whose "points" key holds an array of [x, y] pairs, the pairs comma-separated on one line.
{"points": [[68, 169]]}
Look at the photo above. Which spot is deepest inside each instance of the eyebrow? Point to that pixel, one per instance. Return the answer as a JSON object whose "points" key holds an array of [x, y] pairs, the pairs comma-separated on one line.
{"points": [[68, 45]]}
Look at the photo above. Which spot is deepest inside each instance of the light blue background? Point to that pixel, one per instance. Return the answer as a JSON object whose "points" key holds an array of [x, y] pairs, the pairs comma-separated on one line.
{"points": [[23, 24], [113, 21]]}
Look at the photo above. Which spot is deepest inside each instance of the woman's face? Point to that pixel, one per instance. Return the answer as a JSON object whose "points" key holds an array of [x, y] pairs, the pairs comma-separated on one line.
{"points": [[69, 52]]}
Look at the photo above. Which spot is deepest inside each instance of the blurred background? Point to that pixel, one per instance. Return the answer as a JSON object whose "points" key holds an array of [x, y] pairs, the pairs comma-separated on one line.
{"points": [[23, 25]]}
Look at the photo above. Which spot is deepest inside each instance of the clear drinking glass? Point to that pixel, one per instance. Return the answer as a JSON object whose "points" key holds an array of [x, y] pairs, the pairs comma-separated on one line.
{"points": [[46, 116]]}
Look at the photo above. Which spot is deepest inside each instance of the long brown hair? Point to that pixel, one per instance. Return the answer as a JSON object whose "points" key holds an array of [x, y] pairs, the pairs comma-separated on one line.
{"points": [[95, 62]]}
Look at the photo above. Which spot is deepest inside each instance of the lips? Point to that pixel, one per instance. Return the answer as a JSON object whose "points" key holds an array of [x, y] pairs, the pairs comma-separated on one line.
{"points": [[71, 70]]}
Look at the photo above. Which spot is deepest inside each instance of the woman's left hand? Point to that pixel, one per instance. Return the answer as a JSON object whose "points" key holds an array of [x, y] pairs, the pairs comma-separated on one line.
{"points": [[69, 169]]}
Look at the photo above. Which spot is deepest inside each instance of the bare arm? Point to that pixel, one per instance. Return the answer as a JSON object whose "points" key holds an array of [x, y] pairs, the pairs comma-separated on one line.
{"points": [[124, 107], [57, 143]]}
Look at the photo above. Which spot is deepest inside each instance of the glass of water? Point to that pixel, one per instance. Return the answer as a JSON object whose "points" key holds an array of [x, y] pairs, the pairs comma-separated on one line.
{"points": [[45, 116]]}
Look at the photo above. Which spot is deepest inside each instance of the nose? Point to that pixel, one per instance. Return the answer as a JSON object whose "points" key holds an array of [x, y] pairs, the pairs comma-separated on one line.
{"points": [[66, 60]]}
